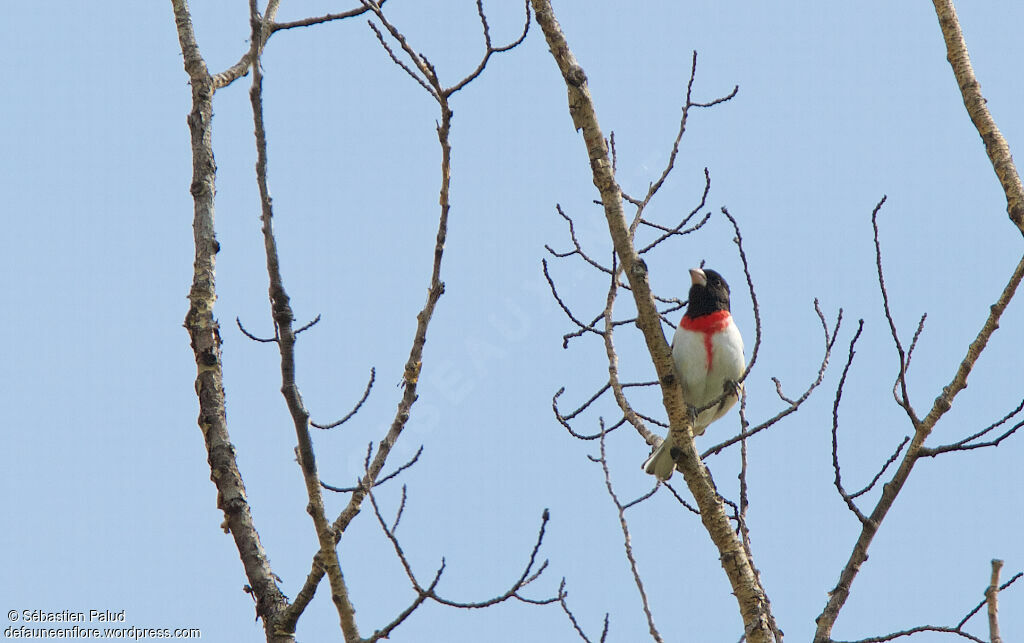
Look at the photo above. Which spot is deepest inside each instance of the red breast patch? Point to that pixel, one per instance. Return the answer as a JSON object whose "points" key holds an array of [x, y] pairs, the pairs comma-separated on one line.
{"points": [[708, 325]]}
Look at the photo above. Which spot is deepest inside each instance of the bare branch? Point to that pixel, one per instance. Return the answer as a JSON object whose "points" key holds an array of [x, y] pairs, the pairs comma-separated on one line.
{"points": [[527, 577], [990, 593], [307, 326], [581, 408], [554, 293], [678, 229], [983, 603], [257, 43], [576, 244], [421, 63], [378, 482], [413, 365], [564, 419], [562, 594], [421, 593], [330, 17], [737, 566], [922, 430], [916, 630], [741, 515], [903, 398], [264, 340], [892, 458], [401, 510], [637, 501], [204, 334], [992, 601], [959, 382], [652, 420], [830, 339], [964, 444], [738, 240], [397, 546], [838, 481], [281, 312], [627, 544], [778, 391], [490, 49], [652, 189], [656, 185], [424, 73], [423, 83], [355, 409], [681, 500], [386, 631], [741, 519], [995, 145], [917, 336], [628, 412]]}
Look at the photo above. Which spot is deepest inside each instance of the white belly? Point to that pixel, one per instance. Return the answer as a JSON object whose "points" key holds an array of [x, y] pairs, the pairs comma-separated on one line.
{"points": [[703, 382]]}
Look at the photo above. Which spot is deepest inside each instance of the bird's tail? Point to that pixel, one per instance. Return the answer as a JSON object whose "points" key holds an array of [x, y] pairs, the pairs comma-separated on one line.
{"points": [[660, 464]]}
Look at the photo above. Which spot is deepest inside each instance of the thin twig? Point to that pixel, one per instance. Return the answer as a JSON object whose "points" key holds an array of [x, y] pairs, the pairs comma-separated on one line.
{"points": [[990, 592], [964, 444], [840, 593], [794, 405], [984, 602], [738, 240], [568, 313], [355, 409], [577, 246], [838, 479], [394, 58], [902, 398], [562, 595], [916, 630], [490, 49], [307, 326], [895, 455], [330, 17], [681, 500], [627, 544], [263, 340], [379, 481], [631, 416]]}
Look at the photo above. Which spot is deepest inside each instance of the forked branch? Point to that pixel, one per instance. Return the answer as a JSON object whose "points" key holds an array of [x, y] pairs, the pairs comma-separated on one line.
{"points": [[916, 449], [990, 601], [752, 603], [281, 312]]}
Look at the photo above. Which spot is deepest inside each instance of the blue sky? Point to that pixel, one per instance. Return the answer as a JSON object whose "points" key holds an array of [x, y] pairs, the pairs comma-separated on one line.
{"points": [[108, 499]]}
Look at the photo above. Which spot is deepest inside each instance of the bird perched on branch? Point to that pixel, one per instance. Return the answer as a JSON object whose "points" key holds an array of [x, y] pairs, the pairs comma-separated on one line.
{"points": [[708, 352]]}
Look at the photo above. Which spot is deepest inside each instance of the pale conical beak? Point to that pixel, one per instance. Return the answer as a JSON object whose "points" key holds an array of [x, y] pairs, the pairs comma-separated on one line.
{"points": [[697, 277]]}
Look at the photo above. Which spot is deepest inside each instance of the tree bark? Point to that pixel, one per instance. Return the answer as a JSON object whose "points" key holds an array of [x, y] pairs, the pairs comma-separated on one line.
{"points": [[204, 332], [752, 602]]}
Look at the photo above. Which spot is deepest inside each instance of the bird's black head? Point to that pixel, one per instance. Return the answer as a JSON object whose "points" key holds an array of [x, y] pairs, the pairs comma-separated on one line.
{"points": [[708, 294]]}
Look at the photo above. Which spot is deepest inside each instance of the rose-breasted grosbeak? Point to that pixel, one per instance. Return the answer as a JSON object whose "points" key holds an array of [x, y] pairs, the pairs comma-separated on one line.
{"points": [[708, 352]]}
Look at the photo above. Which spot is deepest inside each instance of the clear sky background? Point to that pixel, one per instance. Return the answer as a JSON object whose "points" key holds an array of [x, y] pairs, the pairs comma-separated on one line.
{"points": [[107, 498]]}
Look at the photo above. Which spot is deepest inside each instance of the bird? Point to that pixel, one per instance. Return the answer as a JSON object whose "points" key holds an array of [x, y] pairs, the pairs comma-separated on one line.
{"points": [[707, 349]]}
